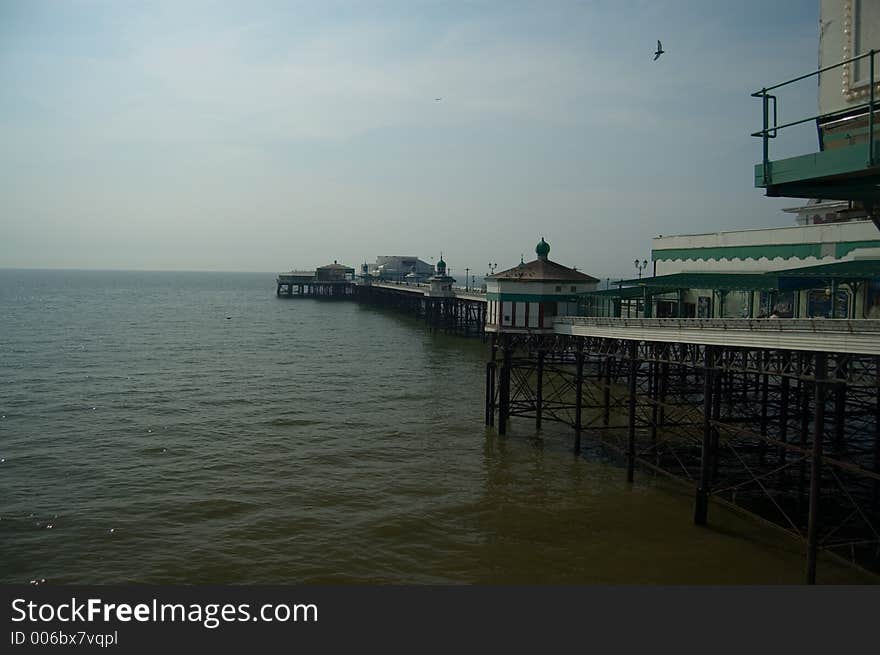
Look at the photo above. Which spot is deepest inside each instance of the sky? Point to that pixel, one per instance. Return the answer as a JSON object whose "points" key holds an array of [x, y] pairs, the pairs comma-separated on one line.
{"points": [[266, 136]]}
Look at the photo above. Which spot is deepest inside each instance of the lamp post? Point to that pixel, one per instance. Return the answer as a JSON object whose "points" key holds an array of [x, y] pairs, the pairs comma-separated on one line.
{"points": [[467, 271], [492, 268], [641, 266]]}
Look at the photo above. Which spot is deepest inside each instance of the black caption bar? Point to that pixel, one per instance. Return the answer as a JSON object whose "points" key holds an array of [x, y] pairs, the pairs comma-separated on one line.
{"points": [[413, 619]]}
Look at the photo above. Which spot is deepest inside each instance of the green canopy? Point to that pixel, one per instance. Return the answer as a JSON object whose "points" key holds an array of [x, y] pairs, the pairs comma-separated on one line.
{"points": [[855, 269], [626, 292], [721, 281]]}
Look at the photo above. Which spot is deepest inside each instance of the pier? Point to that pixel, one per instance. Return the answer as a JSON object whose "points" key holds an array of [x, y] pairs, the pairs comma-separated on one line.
{"points": [[778, 418], [452, 310]]}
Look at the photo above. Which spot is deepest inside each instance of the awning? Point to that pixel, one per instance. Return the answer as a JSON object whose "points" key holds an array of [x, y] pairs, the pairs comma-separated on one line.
{"points": [[855, 269], [627, 292], [718, 281]]}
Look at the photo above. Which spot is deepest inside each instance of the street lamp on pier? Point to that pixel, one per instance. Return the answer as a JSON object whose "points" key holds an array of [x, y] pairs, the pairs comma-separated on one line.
{"points": [[641, 266]]}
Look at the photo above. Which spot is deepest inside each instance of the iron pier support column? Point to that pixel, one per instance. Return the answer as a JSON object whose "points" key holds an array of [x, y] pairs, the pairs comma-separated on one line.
{"points": [[820, 371], [840, 409], [701, 508], [664, 385], [606, 391], [504, 397], [578, 399], [631, 432], [491, 372], [764, 380], [539, 390], [802, 440], [783, 414], [875, 491], [654, 387], [490, 393]]}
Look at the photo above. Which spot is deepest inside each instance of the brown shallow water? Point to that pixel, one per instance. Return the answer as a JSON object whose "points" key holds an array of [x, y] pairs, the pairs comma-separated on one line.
{"points": [[301, 441]]}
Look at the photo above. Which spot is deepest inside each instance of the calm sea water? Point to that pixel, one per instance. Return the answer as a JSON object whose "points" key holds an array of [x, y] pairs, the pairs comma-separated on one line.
{"points": [[193, 428]]}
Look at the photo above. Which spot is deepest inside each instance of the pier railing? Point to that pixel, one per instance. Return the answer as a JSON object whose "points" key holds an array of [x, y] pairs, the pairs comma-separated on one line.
{"points": [[463, 291], [771, 131], [836, 326], [818, 335]]}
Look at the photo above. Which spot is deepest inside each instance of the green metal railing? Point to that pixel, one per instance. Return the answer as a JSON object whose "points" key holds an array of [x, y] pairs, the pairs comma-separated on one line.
{"points": [[771, 131]]}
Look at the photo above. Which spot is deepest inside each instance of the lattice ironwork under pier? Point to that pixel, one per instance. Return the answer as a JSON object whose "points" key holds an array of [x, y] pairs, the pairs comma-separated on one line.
{"points": [[790, 436]]}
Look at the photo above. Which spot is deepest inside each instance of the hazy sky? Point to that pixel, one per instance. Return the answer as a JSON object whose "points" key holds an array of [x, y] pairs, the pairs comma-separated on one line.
{"points": [[270, 135]]}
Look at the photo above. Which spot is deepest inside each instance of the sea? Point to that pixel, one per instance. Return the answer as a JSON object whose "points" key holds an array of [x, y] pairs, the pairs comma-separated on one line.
{"points": [[191, 428]]}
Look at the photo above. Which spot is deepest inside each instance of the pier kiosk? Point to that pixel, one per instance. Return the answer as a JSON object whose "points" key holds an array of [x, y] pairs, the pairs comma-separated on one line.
{"points": [[441, 283], [365, 279], [528, 298], [439, 297]]}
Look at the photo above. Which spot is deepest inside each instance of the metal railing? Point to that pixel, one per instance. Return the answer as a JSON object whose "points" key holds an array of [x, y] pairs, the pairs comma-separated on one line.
{"points": [[772, 324], [463, 291], [771, 131]]}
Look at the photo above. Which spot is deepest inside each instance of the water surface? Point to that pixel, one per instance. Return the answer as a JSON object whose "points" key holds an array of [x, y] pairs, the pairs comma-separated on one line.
{"points": [[193, 428]]}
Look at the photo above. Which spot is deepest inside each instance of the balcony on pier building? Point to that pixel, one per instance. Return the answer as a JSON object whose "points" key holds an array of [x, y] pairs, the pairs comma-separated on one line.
{"points": [[846, 163]]}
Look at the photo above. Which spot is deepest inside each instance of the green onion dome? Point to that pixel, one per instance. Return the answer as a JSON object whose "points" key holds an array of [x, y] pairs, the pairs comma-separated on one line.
{"points": [[542, 249]]}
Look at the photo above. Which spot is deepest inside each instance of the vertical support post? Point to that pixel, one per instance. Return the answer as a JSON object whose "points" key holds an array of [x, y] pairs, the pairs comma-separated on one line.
{"points": [[871, 114], [716, 416], [490, 393], [701, 507], [578, 399], [816, 466], [504, 399], [764, 379], [655, 407], [834, 297], [804, 428], [783, 412], [664, 386], [606, 392], [840, 408], [539, 390], [765, 390], [875, 492], [631, 432], [765, 139]]}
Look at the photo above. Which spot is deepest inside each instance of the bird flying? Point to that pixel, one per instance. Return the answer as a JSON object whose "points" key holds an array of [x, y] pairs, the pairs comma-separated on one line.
{"points": [[660, 50], [437, 99]]}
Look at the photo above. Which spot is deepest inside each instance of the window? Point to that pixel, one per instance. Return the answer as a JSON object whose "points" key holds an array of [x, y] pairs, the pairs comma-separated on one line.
{"points": [[573, 289], [777, 304], [872, 299], [737, 304], [704, 307], [559, 288], [819, 304]]}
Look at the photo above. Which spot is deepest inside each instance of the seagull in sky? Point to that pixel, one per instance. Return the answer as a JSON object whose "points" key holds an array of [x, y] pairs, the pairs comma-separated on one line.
{"points": [[660, 50], [437, 99]]}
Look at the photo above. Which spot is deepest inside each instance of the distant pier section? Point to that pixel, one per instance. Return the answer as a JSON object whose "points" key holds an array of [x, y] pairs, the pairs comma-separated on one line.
{"points": [[434, 297], [332, 280]]}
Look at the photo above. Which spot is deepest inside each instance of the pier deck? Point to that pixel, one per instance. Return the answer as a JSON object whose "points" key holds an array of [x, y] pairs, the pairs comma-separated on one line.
{"points": [[860, 336]]}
